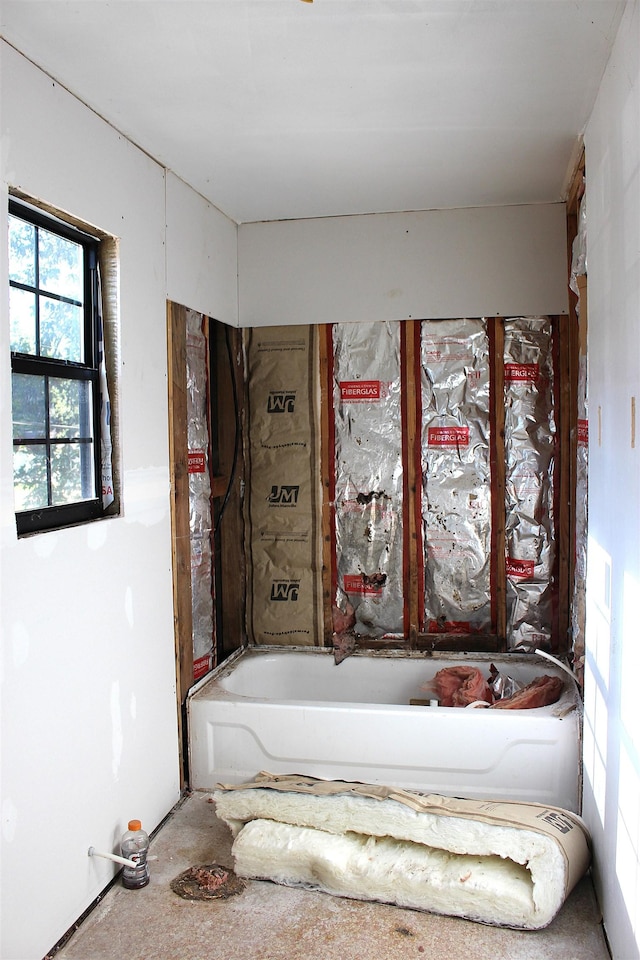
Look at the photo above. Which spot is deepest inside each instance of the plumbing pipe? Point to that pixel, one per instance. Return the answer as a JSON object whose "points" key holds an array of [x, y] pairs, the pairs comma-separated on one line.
{"points": [[558, 663], [92, 852]]}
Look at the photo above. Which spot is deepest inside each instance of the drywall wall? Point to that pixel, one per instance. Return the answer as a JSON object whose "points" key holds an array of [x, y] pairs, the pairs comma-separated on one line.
{"points": [[89, 718], [485, 261], [611, 746], [202, 256]]}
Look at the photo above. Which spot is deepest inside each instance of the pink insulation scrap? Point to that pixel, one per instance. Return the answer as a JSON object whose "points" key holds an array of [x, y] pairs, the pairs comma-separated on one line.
{"points": [[464, 686], [460, 686]]}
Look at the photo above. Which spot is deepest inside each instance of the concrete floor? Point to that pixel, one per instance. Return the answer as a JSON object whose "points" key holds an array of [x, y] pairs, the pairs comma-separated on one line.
{"points": [[271, 922]]}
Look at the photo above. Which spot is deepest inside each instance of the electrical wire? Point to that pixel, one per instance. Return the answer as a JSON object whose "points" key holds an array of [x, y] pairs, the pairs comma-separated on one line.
{"points": [[236, 443]]}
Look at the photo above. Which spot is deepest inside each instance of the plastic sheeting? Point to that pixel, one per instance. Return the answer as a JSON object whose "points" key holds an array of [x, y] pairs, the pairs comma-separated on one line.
{"points": [[456, 479], [530, 433], [199, 497], [368, 475], [579, 248]]}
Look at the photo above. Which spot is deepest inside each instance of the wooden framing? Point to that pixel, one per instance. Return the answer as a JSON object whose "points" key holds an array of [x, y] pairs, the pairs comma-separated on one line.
{"points": [[413, 485], [498, 484], [180, 534], [228, 404], [577, 340], [565, 500], [326, 473]]}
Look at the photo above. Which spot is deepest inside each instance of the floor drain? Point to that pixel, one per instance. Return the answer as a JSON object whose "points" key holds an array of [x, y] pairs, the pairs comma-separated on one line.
{"points": [[207, 882]]}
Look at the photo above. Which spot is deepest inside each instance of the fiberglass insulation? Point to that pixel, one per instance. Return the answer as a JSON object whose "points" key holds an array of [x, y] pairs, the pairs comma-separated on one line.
{"points": [[501, 863]]}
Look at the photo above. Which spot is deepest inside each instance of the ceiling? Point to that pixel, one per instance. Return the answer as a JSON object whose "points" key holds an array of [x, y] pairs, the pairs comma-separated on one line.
{"points": [[282, 109]]}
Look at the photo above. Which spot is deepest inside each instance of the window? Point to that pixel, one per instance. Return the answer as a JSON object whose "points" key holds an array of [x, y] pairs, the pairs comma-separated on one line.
{"points": [[54, 314]]}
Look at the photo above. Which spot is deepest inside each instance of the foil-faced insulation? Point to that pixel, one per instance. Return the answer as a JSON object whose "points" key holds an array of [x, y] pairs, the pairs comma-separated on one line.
{"points": [[199, 496], [456, 476], [530, 435], [369, 475]]}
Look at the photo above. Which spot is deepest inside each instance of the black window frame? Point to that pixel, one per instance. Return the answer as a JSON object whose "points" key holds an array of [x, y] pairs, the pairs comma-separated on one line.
{"points": [[53, 517]]}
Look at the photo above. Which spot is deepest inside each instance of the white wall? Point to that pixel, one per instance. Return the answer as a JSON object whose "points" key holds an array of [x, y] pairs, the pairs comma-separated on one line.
{"points": [[202, 254], [89, 731], [484, 261], [611, 742]]}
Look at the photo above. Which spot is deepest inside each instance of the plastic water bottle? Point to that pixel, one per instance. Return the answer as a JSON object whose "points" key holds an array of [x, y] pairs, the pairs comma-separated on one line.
{"points": [[135, 846]]}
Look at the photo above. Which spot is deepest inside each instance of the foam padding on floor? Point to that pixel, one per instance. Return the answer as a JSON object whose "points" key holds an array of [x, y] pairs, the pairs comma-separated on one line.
{"points": [[502, 863]]}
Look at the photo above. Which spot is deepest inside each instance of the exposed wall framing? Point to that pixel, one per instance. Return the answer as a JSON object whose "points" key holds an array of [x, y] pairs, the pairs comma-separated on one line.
{"points": [[228, 405], [578, 441], [181, 541], [222, 394], [414, 632], [498, 529], [564, 498]]}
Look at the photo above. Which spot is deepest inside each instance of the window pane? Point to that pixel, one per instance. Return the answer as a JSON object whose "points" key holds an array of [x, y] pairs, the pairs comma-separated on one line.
{"points": [[69, 408], [22, 251], [61, 326], [71, 472], [60, 265], [30, 476], [29, 410], [22, 317], [55, 399]]}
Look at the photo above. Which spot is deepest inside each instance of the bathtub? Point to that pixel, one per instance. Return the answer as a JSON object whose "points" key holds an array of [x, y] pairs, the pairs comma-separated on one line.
{"points": [[292, 710]]}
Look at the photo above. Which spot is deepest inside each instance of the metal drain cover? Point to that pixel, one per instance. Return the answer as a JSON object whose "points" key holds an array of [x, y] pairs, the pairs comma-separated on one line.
{"points": [[208, 881]]}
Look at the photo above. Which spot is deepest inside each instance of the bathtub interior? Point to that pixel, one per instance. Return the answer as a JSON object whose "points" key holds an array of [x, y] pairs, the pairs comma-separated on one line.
{"points": [[296, 675]]}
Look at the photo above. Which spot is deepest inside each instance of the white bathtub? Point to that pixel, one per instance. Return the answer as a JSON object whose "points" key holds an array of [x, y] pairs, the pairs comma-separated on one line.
{"points": [[292, 710]]}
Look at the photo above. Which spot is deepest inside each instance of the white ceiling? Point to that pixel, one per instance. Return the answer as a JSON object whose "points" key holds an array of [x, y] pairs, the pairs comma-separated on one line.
{"points": [[281, 109]]}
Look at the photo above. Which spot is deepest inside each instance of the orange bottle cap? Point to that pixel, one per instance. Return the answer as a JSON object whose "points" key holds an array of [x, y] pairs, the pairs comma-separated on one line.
{"points": [[134, 825]]}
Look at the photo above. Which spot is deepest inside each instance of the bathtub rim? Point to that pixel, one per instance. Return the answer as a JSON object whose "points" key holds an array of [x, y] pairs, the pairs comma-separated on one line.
{"points": [[572, 695]]}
